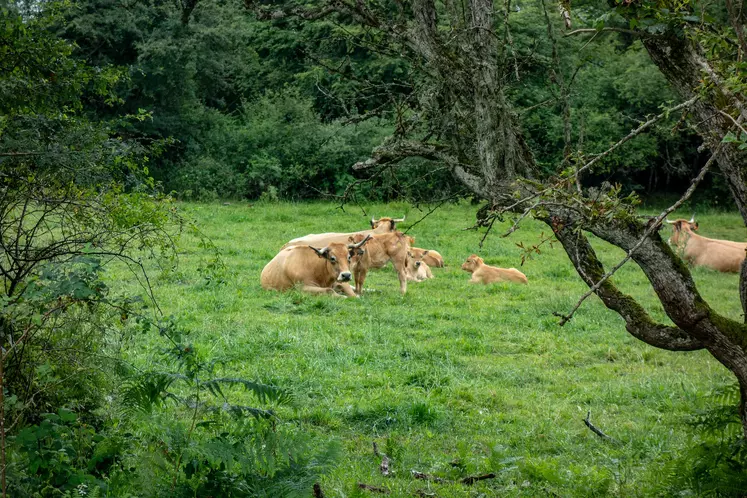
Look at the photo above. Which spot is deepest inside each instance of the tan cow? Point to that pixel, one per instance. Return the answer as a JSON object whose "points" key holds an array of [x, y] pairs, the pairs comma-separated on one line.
{"points": [[321, 271], [430, 257], [485, 274], [719, 255], [380, 250], [692, 225], [382, 225], [417, 269]]}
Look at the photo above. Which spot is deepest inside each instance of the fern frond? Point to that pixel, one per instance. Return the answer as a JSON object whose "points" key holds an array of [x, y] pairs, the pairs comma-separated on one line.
{"points": [[264, 392]]}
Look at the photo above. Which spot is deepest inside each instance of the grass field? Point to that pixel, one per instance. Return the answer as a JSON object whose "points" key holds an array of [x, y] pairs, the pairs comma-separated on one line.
{"points": [[452, 379]]}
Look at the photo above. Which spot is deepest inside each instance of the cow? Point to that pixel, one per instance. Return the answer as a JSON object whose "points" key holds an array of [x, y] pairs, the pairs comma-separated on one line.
{"points": [[320, 270], [485, 274], [431, 258], [720, 255], [382, 225], [417, 269], [692, 225], [380, 250]]}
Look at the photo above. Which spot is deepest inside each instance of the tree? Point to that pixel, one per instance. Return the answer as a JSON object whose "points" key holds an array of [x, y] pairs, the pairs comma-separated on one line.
{"points": [[464, 56]]}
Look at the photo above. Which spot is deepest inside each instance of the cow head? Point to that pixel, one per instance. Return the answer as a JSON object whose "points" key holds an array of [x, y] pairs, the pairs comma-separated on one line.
{"points": [[417, 258], [338, 256], [472, 263], [682, 228], [384, 225]]}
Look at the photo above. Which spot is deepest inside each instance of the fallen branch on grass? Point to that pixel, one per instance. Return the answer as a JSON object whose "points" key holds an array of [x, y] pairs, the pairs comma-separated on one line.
{"points": [[373, 489], [597, 431], [470, 480], [318, 491], [426, 477]]}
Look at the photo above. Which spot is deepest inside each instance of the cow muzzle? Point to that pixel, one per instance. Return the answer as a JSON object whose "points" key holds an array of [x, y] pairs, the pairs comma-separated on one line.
{"points": [[344, 277]]}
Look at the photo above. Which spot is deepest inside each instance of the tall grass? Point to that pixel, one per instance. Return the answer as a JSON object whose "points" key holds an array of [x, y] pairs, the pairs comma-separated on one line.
{"points": [[452, 379]]}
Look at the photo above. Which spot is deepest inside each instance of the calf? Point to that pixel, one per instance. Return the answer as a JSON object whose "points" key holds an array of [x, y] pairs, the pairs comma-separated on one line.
{"points": [[417, 269], [484, 274], [380, 250]]}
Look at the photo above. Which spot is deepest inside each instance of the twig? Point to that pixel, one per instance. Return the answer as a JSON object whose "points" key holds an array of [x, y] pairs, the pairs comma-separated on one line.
{"points": [[384, 467], [423, 494], [727, 115], [470, 480], [653, 225], [376, 449], [597, 431], [373, 489], [432, 210], [426, 477], [318, 491], [594, 30]]}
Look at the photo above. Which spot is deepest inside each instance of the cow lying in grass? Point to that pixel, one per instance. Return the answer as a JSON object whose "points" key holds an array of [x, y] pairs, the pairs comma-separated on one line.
{"points": [[429, 256], [716, 254], [320, 270], [485, 274], [417, 269]]}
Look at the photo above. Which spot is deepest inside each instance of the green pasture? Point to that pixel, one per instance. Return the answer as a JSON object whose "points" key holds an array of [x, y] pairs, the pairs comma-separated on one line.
{"points": [[452, 379]]}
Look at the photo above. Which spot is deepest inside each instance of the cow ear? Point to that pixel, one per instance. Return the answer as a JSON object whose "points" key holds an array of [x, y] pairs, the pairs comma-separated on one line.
{"points": [[391, 225], [695, 225], [425, 253]]}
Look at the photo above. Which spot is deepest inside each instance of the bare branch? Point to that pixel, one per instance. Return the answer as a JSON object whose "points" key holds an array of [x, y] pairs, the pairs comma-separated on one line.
{"points": [[653, 226], [606, 29]]}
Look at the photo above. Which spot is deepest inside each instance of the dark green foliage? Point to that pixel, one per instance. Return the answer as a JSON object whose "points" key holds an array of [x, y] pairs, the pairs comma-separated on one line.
{"points": [[716, 463]]}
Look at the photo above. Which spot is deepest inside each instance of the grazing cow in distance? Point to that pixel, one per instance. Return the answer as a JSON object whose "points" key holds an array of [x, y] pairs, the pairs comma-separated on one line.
{"points": [[417, 269], [380, 250], [431, 258], [382, 225], [720, 255], [485, 274], [320, 270]]}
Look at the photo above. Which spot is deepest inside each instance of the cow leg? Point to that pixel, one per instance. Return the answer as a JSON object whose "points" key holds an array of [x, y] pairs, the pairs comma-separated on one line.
{"points": [[360, 277], [314, 289], [346, 289], [402, 281]]}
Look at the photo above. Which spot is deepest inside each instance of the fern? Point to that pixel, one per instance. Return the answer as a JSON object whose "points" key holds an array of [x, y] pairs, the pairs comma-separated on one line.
{"points": [[716, 463], [148, 391], [264, 392]]}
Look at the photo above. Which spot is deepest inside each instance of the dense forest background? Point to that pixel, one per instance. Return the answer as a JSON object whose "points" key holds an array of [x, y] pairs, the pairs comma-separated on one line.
{"points": [[283, 110]]}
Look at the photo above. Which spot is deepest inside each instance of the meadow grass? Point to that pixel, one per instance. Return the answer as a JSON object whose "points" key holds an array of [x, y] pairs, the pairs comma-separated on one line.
{"points": [[452, 379]]}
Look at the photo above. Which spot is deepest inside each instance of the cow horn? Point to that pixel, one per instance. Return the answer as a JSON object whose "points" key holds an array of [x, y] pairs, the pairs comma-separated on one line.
{"points": [[322, 253], [399, 220], [692, 220], [356, 246], [670, 222]]}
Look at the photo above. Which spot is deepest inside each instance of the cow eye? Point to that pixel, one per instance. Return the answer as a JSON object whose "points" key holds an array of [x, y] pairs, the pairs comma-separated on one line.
{"points": [[333, 259]]}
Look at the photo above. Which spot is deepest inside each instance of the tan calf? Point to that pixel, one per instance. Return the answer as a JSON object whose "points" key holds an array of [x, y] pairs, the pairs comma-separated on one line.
{"points": [[431, 258], [485, 274], [701, 251], [380, 250], [321, 271], [417, 269]]}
